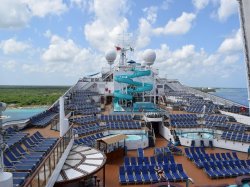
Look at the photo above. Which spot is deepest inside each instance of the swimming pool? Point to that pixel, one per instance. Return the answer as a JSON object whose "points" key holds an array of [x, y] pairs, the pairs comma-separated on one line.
{"points": [[196, 135], [133, 137], [135, 141]]}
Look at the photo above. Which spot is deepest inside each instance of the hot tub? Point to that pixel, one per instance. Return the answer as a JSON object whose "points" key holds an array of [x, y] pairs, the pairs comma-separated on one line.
{"points": [[135, 141]]}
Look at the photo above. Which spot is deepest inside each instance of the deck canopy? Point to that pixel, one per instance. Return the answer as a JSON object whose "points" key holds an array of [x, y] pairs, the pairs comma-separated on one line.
{"points": [[112, 139]]}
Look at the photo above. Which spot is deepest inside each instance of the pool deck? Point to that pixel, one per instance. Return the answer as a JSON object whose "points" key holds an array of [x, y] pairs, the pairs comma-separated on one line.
{"points": [[112, 169], [198, 175]]}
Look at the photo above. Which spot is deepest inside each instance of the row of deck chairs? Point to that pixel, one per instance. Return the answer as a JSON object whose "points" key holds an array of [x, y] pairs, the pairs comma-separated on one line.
{"points": [[43, 119], [87, 111], [85, 120], [148, 174], [226, 169], [236, 136], [186, 124], [89, 140], [183, 117], [124, 125], [161, 151], [202, 143], [215, 118], [121, 117], [153, 161], [12, 137], [21, 162], [218, 165], [199, 156], [87, 129]]}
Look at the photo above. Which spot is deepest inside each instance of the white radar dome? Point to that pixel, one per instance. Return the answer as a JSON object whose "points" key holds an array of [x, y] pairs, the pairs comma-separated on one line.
{"points": [[110, 56], [149, 57]]}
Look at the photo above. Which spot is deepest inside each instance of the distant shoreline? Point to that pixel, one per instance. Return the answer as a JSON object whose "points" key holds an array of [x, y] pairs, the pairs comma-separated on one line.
{"points": [[27, 107]]}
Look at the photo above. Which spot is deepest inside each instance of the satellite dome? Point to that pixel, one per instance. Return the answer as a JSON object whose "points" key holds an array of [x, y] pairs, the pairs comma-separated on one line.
{"points": [[110, 56], [149, 57]]}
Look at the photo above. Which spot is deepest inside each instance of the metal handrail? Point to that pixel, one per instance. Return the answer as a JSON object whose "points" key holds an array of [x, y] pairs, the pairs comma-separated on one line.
{"points": [[32, 181]]}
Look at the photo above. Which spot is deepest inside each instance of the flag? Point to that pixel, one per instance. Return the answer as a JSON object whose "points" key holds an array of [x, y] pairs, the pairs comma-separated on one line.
{"points": [[118, 48]]}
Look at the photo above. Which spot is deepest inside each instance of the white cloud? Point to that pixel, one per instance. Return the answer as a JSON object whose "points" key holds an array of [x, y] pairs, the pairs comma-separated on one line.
{"points": [[13, 14], [65, 56], [60, 50], [145, 31], [108, 23], [165, 4], [200, 4], [232, 44], [151, 13], [226, 9], [9, 65], [12, 46], [231, 59], [17, 13], [181, 25], [45, 7], [188, 63]]}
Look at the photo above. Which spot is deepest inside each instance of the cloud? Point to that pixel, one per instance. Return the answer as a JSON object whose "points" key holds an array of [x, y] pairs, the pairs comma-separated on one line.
{"points": [[18, 13], [46, 7], [190, 64], [109, 21], [181, 25], [14, 14], [60, 50], [200, 4], [232, 44], [9, 65], [226, 9], [144, 33], [65, 56], [11, 46], [151, 13]]}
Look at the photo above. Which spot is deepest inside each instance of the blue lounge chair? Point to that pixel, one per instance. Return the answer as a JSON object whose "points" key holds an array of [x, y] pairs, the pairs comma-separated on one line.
{"points": [[153, 176], [181, 172], [235, 155], [175, 173], [130, 175], [122, 175], [138, 176], [145, 175], [126, 161]]}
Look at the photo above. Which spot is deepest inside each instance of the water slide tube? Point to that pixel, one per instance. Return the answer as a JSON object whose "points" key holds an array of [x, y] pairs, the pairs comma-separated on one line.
{"points": [[128, 79]]}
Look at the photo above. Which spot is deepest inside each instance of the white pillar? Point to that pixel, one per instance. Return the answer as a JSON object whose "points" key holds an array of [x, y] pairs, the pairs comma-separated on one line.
{"points": [[244, 11], [64, 123]]}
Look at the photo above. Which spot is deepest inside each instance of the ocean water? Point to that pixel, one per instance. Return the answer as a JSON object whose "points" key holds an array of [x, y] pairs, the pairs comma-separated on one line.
{"points": [[238, 95], [21, 113]]}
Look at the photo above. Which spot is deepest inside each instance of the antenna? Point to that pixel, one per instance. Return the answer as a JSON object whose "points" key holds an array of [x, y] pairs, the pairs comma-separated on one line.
{"points": [[124, 45]]}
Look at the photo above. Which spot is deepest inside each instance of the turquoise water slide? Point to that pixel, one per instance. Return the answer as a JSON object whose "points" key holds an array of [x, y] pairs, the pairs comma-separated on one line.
{"points": [[128, 79]]}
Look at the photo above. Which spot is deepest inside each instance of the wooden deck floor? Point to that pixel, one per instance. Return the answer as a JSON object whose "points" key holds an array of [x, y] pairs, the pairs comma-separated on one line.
{"points": [[199, 176]]}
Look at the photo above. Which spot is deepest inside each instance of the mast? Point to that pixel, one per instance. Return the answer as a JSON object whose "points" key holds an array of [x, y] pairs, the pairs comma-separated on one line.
{"points": [[244, 11]]}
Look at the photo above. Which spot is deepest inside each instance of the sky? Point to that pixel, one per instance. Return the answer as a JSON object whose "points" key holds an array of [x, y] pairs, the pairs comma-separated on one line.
{"points": [[55, 42]]}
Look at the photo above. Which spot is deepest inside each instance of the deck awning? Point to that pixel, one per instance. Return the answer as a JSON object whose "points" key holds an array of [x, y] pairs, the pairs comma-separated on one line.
{"points": [[113, 138]]}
